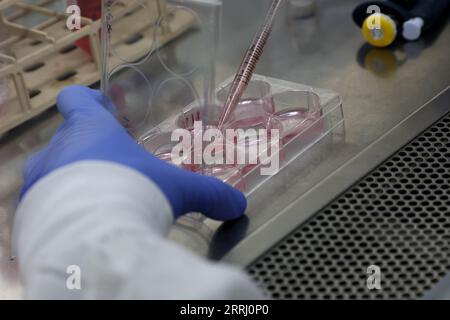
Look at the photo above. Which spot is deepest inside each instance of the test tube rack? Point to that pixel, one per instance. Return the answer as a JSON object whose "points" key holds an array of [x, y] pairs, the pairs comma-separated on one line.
{"points": [[37, 62]]}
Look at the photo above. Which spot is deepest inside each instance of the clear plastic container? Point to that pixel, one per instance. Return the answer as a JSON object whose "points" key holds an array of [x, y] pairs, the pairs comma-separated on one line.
{"points": [[4, 93], [172, 86], [302, 115]]}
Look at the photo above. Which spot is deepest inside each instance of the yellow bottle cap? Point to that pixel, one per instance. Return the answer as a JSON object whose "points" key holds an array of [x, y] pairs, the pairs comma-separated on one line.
{"points": [[379, 30]]}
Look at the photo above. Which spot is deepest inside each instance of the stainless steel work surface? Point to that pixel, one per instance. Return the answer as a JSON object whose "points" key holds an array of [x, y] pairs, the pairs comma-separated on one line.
{"points": [[396, 219], [380, 88]]}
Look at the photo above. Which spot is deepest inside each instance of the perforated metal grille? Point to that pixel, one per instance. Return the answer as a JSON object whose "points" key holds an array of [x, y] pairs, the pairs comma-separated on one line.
{"points": [[397, 218]]}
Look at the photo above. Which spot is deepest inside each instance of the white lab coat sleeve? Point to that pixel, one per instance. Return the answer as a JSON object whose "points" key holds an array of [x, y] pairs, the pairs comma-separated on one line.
{"points": [[96, 230]]}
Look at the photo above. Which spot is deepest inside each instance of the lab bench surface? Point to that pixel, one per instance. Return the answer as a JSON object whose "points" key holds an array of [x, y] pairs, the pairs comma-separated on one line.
{"points": [[379, 87]]}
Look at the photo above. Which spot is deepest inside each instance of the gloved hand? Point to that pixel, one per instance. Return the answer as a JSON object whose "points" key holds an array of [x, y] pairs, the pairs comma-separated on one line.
{"points": [[90, 132]]}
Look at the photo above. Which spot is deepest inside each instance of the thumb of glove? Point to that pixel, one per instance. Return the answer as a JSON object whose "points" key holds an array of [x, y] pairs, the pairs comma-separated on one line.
{"points": [[207, 195]]}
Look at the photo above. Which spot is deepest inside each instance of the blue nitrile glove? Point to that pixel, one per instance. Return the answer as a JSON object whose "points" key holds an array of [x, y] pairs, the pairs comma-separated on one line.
{"points": [[90, 132]]}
